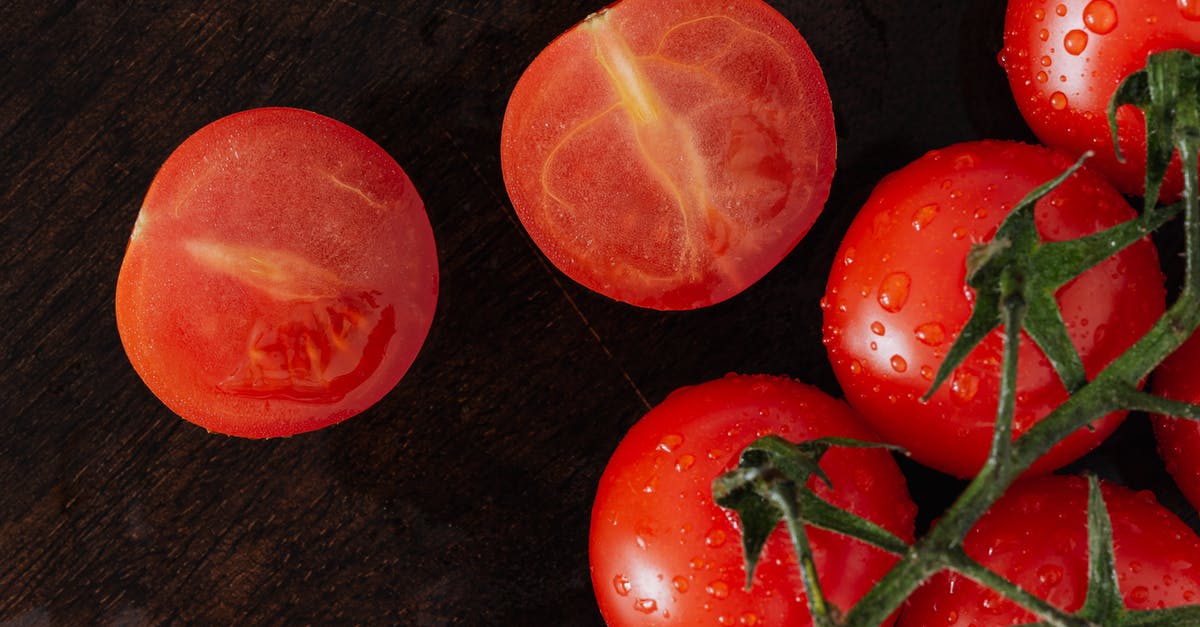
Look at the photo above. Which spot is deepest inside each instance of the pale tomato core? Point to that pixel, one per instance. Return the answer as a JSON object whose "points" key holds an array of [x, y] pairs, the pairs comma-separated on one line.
{"points": [[281, 275], [669, 154]]}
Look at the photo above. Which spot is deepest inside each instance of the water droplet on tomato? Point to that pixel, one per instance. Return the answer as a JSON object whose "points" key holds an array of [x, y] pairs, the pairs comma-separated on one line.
{"points": [[1190, 9], [1075, 42], [899, 364], [685, 462], [1044, 35], [718, 589], [848, 258], [1058, 100], [670, 442], [877, 328], [965, 385], [923, 216], [1061, 10], [1050, 574], [680, 583], [980, 213], [893, 291], [958, 232], [931, 333], [927, 373], [621, 585], [1046, 60], [645, 606], [1139, 595], [1039, 14], [1100, 17], [874, 346], [1042, 77], [855, 366], [715, 538], [749, 619]]}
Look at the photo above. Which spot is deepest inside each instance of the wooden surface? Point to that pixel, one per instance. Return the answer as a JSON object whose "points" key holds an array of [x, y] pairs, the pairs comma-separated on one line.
{"points": [[463, 498]]}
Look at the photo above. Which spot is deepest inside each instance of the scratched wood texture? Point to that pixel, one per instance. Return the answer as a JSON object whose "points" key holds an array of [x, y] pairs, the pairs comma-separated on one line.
{"points": [[463, 498]]}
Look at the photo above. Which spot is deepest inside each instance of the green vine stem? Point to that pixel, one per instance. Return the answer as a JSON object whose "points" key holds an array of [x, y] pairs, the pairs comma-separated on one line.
{"points": [[1015, 277]]}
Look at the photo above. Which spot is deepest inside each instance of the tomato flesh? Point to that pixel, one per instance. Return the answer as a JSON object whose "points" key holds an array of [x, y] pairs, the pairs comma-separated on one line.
{"points": [[669, 153], [1064, 61], [662, 553], [896, 301], [1036, 536], [281, 275]]}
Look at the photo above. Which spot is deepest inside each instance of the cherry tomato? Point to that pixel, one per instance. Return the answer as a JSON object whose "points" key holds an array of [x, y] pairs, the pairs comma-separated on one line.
{"points": [[1036, 536], [662, 553], [669, 153], [281, 275], [1065, 59], [896, 300], [1179, 439]]}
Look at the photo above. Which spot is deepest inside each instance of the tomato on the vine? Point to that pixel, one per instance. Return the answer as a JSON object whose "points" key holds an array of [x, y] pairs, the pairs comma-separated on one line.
{"points": [[1036, 536], [281, 275], [1065, 59], [669, 153], [1178, 438], [896, 301], [663, 553]]}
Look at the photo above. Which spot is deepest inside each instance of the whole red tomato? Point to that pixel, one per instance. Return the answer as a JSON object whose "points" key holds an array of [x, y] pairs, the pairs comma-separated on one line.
{"points": [[281, 275], [662, 553], [1036, 536], [896, 301], [669, 153], [1064, 60], [1179, 439]]}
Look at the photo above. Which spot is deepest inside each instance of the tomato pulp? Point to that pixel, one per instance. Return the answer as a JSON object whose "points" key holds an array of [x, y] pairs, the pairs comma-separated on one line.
{"points": [[896, 300], [669, 153], [1064, 61], [281, 275], [663, 553]]}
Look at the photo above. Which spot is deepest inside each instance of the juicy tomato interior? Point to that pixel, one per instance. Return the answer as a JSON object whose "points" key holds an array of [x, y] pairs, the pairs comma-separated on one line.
{"points": [[663, 553], [1064, 61], [896, 301], [281, 275], [669, 153], [1036, 536]]}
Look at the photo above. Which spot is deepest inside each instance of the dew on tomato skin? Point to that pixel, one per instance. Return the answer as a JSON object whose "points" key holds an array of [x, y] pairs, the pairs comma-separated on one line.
{"points": [[1046, 61], [848, 257], [680, 583], [855, 366], [1058, 101], [893, 291], [1061, 10], [1039, 14], [1044, 35], [931, 333], [1100, 17], [958, 232], [1050, 575], [715, 538], [622, 585], [718, 589], [670, 442], [1075, 42], [980, 213], [965, 385], [874, 346], [925, 215], [1139, 595], [1190, 9], [877, 328], [899, 364], [749, 619], [646, 606], [685, 462], [927, 373], [1042, 77]]}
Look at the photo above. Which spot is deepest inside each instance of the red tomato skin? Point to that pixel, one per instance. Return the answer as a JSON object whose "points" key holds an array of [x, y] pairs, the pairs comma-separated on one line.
{"points": [[1064, 61], [281, 275], [686, 180], [662, 553], [896, 300], [1179, 439], [1036, 536]]}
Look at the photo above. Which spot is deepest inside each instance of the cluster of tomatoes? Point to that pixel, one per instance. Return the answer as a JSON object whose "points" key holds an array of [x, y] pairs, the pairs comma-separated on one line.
{"points": [[668, 154]]}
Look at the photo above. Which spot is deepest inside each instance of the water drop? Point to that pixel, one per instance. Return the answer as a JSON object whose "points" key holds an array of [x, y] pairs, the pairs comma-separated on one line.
{"points": [[1050, 574], [1046, 60], [965, 385], [874, 346], [1190, 9], [958, 232], [680, 583], [877, 328], [927, 373], [1039, 14], [893, 291], [718, 589], [923, 216], [981, 213], [931, 334], [684, 462], [621, 585], [848, 258], [898, 363], [1044, 35], [1058, 100], [715, 538], [645, 606], [855, 366], [1100, 17], [670, 442], [749, 619], [1139, 595], [1042, 77], [1061, 10], [1075, 42]]}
